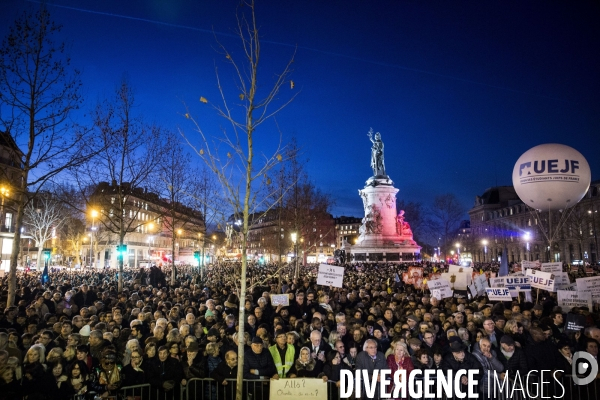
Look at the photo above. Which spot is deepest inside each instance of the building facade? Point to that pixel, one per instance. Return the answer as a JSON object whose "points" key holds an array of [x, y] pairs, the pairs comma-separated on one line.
{"points": [[500, 219], [346, 230], [11, 175]]}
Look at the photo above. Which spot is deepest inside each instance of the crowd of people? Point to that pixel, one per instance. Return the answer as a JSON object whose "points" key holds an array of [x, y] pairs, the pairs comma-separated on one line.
{"points": [[77, 337]]}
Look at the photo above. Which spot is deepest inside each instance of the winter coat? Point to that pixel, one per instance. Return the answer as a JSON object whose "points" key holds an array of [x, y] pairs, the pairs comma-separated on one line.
{"points": [[517, 362], [262, 362], [310, 370], [365, 362]]}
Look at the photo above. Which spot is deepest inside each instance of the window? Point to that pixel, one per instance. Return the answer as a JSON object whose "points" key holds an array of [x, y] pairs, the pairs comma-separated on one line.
{"points": [[8, 220]]}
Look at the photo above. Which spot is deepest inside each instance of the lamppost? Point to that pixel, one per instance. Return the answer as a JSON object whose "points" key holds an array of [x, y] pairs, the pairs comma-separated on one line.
{"points": [[94, 214], [593, 214], [457, 245], [527, 237], [295, 241], [484, 242]]}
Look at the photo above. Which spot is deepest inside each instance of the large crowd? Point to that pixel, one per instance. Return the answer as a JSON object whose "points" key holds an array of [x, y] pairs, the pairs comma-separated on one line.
{"points": [[77, 337]]}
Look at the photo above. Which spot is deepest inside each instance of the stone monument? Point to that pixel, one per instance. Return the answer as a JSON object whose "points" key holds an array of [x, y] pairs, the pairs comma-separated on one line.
{"points": [[384, 234]]}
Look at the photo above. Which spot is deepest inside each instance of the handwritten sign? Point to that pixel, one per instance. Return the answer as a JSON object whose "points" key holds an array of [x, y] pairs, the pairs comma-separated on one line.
{"points": [[553, 267], [568, 299], [280, 300], [330, 275], [298, 389], [498, 294], [541, 280]]}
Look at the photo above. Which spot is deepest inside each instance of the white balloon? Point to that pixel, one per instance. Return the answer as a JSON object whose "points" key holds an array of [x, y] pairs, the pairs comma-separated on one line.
{"points": [[551, 177]]}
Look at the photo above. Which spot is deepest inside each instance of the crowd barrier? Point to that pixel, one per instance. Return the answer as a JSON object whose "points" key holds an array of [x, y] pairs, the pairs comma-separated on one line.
{"points": [[208, 389]]}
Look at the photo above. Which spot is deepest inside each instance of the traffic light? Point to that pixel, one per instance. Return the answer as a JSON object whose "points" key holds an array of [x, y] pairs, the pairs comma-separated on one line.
{"points": [[122, 250], [47, 253], [197, 255]]}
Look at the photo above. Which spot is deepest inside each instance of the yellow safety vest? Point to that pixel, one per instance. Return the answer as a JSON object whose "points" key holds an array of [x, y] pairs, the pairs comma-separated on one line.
{"points": [[290, 352]]}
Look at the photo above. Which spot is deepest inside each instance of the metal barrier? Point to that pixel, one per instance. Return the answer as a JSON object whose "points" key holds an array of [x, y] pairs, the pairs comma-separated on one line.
{"points": [[208, 389]]}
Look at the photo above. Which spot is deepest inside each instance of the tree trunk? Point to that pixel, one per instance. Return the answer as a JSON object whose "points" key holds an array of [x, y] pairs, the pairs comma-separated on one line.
{"points": [[39, 266], [14, 256]]}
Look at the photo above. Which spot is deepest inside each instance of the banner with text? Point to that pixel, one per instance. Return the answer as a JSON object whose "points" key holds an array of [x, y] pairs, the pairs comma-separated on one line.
{"points": [[592, 284], [441, 285], [541, 280], [498, 294], [568, 299], [298, 388], [531, 264], [562, 280], [330, 275], [553, 267]]}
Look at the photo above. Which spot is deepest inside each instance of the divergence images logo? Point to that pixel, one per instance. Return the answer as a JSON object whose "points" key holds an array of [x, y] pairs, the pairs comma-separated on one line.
{"points": [[584, 368]]}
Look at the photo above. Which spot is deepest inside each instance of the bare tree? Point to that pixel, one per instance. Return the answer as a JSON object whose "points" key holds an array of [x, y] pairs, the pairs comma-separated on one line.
{"points": [[72, 232], [446, 215], [38, 92], [232, 158], [44, 217], [126, 164]]}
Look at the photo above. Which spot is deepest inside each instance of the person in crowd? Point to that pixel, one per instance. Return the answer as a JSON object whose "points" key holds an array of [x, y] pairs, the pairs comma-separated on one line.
{"points": [[459, 359], [225, 372], [77, 379], [106, 379], [167, 375], [490, 364], [399, 360], [369, 360], [306, 366], [283, 354]]}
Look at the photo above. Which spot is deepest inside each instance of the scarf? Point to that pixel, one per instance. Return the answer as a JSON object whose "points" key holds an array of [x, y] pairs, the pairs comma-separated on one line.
{"points": [[507, 354]]}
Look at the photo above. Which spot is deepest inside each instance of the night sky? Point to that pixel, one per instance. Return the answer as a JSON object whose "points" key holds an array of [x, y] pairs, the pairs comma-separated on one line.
{"points": [[458, 90]]}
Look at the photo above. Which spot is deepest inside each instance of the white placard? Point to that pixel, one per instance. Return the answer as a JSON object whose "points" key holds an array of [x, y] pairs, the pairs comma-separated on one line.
{"points": [[498, 294], [553, 267], [280, 300], [531, 264], [441, 285], [473, 291], [298, 388], [481, 283], [541, 280], [568, 299], [457, 269], [330, 275], [458, 280], [592, 284], [516, 283], [562, 280]]}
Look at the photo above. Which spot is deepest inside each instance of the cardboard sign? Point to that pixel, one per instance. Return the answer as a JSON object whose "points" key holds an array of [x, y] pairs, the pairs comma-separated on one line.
{"points": [[330, 275], [592, 284], [298, 388], [280, 300], [441, 285], [553, 267], [574, 323], [457, 269], [541, 280], [568, 299], [498, 294], [518, 283], [473, 291]]}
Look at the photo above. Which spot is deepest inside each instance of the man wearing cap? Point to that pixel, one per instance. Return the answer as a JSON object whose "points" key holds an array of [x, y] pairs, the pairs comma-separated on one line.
{"points": [[512, 357], [106, 380], [412, 321], [283, 354], [258, 365], [459, 359]]}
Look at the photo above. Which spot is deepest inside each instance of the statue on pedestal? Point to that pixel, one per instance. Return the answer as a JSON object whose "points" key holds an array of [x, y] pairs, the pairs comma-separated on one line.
{"points": [[377, 162], [402, 227]]}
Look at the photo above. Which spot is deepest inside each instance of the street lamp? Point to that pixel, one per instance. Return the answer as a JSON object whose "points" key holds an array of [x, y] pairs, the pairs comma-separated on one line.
{"points": [[94, 214], [457, 245], [527, 237], [4, 191], [295, 241], [593, 214], [484, 242]]}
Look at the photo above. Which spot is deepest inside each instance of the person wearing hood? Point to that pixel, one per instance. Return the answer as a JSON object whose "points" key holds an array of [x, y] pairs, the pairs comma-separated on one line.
{"points": [[306, 366]]}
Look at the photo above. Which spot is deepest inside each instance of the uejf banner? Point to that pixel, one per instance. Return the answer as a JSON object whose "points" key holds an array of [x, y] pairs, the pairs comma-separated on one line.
{"points": [[541, 280], [498, 294], [330, 275]]}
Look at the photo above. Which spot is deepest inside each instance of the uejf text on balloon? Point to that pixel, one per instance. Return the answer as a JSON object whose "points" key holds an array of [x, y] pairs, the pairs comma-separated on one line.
{"points": [[539, 167]]}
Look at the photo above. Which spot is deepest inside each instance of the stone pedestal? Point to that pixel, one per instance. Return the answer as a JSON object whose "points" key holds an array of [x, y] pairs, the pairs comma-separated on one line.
{"points": [[384, 234]]}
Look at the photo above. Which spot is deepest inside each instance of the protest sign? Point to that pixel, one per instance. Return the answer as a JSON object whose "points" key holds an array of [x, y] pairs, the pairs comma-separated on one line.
{"points": [[481, 283], [553, 267], [574, 323], [457, 269], [442, 285], [562, 280], [568, 299], [592, 284], [531, 264], [473, 290], [541, 280], [458, 280], [498, 294], [280, 300], [298, 388], [330, 275], [517, 283]]}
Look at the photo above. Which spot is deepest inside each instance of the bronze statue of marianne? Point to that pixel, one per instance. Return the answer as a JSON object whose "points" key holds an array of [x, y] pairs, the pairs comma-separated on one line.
{"points": [[377, 163]]}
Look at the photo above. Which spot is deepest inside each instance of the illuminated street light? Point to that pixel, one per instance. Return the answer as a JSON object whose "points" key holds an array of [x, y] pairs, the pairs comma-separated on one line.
{"points": [[295, 241], [527, 237], [93, 214], [484, 242]]}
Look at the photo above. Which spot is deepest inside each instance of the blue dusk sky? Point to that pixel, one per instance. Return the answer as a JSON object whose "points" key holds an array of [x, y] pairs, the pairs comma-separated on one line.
{"points": [[458, 89]]}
